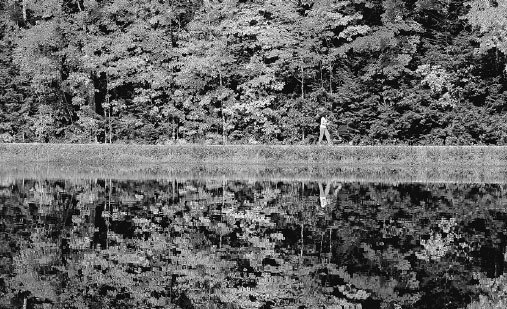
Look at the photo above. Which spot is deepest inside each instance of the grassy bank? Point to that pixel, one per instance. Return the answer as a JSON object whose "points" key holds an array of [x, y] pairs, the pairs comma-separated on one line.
{"points": [[254, 154]]}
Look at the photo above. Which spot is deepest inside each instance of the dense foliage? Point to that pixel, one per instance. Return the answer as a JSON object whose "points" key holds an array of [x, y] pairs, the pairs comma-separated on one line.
{"points": [[253, 71], [246, 244]]}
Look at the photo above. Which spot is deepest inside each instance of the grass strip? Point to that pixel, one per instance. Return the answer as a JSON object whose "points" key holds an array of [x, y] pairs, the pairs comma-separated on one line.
{"points": [[254, 154]]}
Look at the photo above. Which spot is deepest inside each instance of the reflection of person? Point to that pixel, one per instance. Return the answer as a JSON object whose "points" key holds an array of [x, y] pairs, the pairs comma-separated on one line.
{"points": [[324, 193], [323, 130]]}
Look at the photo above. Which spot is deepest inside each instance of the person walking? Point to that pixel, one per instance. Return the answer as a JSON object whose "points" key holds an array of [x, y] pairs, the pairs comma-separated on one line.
{"points": [[323, 130]]}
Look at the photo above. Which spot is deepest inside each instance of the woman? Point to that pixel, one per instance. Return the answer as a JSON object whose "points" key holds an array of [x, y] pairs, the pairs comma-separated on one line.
{"points": [[323, 130]]}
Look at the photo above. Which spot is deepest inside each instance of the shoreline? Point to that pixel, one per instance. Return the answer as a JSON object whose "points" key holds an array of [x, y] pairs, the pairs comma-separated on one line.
{"points": [[251, 172], [254, 154], [384, 164]]}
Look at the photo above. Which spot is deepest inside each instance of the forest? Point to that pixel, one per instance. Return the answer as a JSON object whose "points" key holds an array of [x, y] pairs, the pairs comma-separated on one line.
{"points": [[414, 72]]}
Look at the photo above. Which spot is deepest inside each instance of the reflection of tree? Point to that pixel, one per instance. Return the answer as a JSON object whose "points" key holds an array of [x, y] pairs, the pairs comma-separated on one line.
{"points": [[106, 244], [414, 223], [493, 292]]}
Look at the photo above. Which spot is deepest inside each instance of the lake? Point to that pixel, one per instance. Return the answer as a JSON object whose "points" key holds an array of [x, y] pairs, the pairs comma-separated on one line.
{"points": [[221, 242]]}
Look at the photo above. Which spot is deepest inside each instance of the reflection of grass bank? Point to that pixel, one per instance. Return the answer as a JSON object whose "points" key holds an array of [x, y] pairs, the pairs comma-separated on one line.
{"points": [[254, 154], [323, 172]]}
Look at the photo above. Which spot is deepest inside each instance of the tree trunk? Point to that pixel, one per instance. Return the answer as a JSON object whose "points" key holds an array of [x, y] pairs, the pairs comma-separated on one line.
{"points": [[110, 127], [91, 94], [222, 110], [106, 122], [330, 78], [302, 82], [23, 4], [224, 140], [321, 77], [173, 136], [109, 108]]}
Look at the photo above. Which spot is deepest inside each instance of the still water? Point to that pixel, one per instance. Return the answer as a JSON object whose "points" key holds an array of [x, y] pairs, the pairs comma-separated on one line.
{"points": [[222, 243]]}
